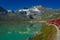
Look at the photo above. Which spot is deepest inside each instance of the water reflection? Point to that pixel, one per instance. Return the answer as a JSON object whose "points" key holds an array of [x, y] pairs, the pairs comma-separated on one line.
{"points": [[21, 31]]}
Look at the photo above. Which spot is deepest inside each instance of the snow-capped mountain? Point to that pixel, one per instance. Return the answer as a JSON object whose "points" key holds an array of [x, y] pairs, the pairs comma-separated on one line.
{"points": [[30, 10], [35, 9], [24, 10], [10, 11], [35, 12]]}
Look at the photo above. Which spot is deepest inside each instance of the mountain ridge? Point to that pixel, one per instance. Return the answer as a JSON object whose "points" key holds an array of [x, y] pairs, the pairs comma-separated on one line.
{"points": [[33, 13]]}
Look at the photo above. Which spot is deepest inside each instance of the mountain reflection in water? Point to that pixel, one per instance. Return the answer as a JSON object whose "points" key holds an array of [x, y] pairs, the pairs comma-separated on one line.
{"points": [[19, 31]]}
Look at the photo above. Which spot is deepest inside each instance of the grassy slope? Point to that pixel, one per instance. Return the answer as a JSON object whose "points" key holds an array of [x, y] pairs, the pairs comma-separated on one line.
{"points": [[47, 33]]}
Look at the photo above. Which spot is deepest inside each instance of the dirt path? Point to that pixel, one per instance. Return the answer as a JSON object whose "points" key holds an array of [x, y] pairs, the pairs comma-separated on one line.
{"points": [[58, 32]]}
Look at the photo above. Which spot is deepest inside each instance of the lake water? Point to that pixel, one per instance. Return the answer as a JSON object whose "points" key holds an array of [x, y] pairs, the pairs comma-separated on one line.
{"points": [[19, 31]]}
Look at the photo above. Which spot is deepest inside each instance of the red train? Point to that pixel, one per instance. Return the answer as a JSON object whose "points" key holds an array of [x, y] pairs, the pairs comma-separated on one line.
{"points": [[55, 21]]}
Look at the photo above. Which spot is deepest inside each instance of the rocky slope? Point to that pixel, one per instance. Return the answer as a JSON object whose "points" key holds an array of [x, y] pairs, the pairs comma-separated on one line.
{"points": [[34, 13]]}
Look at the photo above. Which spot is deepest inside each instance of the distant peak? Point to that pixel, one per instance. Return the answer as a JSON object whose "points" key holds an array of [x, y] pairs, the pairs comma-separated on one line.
{"points": [[39, 6]]}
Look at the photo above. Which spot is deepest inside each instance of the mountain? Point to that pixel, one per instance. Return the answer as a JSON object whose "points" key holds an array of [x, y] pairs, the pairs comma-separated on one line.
{"points": [[30, 11], [34, 13], [10, 11], [37, 13], [3, 11]]}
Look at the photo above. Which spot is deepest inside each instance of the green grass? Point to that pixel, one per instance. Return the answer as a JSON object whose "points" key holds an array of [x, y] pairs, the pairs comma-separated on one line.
{"points": [[47, 33]]}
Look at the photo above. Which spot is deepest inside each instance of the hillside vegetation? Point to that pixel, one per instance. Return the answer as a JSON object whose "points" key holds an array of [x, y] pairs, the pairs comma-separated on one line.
{"points": [[47, 33]]}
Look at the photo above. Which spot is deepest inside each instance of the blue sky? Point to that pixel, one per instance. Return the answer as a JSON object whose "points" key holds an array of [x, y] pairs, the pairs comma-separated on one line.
{"points": [[16, 4]]}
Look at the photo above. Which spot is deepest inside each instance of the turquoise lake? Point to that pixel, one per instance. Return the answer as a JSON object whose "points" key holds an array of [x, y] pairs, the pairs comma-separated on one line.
{"points": [[19, 31]]}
